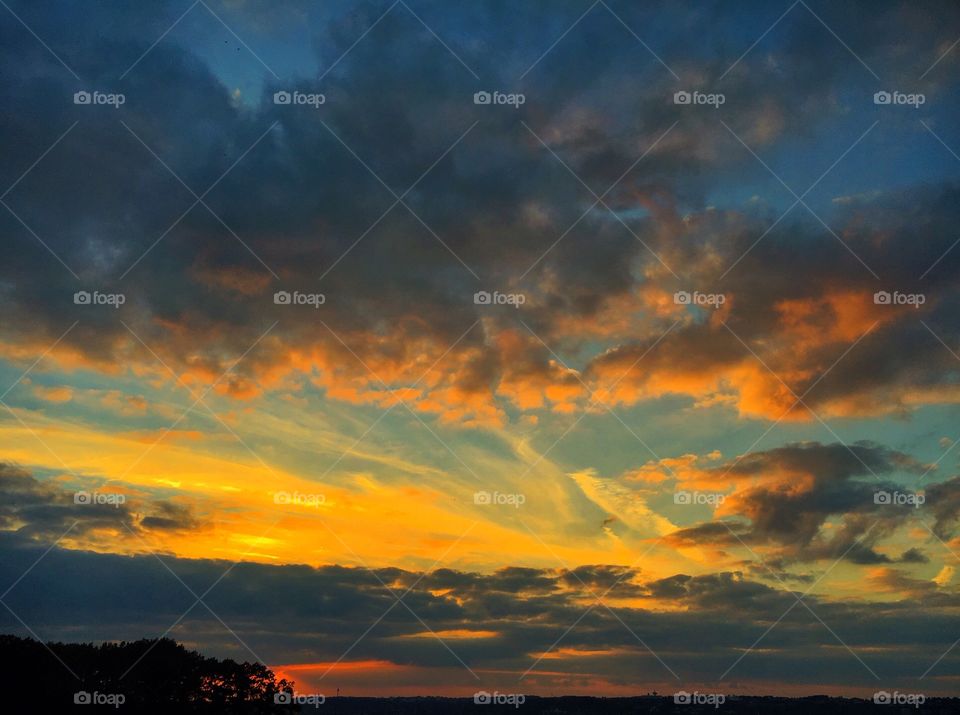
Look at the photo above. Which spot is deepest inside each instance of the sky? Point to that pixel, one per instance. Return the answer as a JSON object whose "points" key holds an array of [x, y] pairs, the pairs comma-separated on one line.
{"points": [[548, 348]]}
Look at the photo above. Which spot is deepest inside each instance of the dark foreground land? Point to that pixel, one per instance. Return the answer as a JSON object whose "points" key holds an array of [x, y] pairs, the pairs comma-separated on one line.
{"points": [[628, 706], [161, 676]]}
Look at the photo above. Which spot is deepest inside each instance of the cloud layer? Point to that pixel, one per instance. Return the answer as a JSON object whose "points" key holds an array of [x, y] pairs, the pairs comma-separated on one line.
{"points": [[696, 358]]}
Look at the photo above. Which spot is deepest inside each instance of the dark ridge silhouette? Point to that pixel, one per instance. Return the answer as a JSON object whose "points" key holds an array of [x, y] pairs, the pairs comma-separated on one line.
{"points": [[161, 676]]}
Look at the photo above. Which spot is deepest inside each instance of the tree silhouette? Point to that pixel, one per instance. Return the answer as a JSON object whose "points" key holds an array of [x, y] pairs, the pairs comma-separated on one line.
{"points": [[149, 675]]}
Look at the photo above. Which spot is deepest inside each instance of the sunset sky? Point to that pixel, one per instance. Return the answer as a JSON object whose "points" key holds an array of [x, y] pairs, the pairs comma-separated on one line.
{"points": [[703, 434]]}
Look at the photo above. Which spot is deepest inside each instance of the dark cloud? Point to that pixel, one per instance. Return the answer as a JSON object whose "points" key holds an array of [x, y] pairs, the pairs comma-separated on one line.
{"points": [[306, 194], [300, 199], [944, 501], [699, 624], [785, 497], [170, 517], [45, 511], [318, 613]]}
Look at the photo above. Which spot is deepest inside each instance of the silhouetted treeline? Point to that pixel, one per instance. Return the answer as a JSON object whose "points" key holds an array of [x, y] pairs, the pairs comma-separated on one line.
{"points": [[161, 676], [139, 676]]}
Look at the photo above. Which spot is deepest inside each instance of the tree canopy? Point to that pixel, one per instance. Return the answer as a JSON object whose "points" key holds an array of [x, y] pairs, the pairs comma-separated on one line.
{"points": [[144, 675]]}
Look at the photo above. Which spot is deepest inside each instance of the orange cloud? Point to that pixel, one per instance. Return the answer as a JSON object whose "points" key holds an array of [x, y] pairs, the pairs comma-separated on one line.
{"points": [[60, 393]]}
